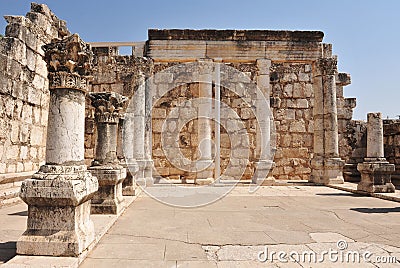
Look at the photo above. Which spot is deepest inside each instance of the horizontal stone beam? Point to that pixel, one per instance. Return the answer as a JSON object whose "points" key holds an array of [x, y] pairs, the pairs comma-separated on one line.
{"points": [[235, 35]]}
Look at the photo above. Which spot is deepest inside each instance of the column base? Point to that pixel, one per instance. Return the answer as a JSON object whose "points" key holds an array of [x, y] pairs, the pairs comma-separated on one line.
{"points": [[108, 199], [327, 171], [129, 184], [59, 223], [204, 172], [144, 176], [262, 174], [376, 177]]}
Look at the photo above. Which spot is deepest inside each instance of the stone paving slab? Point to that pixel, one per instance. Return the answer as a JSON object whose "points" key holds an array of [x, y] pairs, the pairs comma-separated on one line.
{"points": [[232, 231], [13, 222]]}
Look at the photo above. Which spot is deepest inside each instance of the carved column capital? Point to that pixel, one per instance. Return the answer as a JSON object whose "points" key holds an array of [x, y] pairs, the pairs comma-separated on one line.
{"points": [[326, 66], [69, 62], [109, 106]]}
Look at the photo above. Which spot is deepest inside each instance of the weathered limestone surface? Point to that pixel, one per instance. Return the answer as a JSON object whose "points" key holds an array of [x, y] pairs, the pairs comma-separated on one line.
{"points": [[58, 196], [264, 118], [123, 75], [291, 79], [391, 140], [108, 110], [375, 170], [24, 96], [204, 166], [327, 166], [189, 45]]}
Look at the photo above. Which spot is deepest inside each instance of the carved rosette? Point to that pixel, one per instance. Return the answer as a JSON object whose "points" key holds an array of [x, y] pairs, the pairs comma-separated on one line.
{"points": [[109, 106], [326, 66], [69, 62]]}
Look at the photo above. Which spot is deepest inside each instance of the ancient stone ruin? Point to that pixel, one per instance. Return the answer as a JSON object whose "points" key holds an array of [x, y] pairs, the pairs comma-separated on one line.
{"points": [[81, 124]]}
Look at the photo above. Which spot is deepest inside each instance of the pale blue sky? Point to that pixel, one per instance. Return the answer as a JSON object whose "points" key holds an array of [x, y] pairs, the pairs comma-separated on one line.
{"points": [[365, 34]]}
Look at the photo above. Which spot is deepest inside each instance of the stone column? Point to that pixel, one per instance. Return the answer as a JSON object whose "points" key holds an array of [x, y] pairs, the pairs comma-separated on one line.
{"points": [[129, 184], [204, 166], [148, 140], [58, 195], [327, 167], [265, 164], [375, 171], [108, 109], [139, 134]]}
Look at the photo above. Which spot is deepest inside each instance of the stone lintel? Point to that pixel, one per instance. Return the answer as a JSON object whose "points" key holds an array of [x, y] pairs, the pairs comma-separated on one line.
{"points": [[235, 35]]}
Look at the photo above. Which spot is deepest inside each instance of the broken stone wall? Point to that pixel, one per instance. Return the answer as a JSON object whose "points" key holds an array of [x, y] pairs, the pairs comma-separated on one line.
{"points": [[391, 140], [24, 94]]}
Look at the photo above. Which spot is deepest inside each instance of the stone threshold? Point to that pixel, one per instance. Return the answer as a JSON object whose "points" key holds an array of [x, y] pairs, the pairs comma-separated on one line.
{"points": [[352, 188], [102, 223]]}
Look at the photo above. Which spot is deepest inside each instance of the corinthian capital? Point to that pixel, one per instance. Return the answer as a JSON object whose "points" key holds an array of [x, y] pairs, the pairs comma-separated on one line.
{"points": [[109, 106], [70, 55]]}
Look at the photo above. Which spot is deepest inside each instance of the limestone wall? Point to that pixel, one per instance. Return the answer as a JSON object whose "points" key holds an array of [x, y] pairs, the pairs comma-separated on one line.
{"points": [[292, 96], [24, 92], [112, 73], [391, 140]]}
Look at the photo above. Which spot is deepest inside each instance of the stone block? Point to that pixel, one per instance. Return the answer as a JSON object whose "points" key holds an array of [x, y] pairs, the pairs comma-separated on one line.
{"points": [[13, 152], [288, 91], [297, 126], [159, 113], [59, 222], [15, 47], [302, 104], [36, 136], [30, 59]]}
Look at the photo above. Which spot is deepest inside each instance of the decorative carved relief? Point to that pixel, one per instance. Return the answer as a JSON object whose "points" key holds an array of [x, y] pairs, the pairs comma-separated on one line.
{"points": [[109, 106]]}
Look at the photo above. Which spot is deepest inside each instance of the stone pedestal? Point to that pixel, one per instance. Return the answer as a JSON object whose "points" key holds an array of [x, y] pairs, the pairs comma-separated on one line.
{"points": [[144, 175], [108, 109], [327, 166], [262, 175], [108, 199], [129, 184], [127, 137], [204, 172], [58, 195], [375, 171], [59, 223], [376, 177]]}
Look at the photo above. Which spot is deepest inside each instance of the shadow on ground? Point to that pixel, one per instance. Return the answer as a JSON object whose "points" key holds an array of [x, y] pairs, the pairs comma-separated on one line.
{"points": [[376, 210], [21, 213], [8, 250]]}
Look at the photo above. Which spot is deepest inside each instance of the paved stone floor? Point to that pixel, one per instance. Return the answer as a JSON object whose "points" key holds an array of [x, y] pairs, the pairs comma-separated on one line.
{"points": [[296, 220], [238, 229]]}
